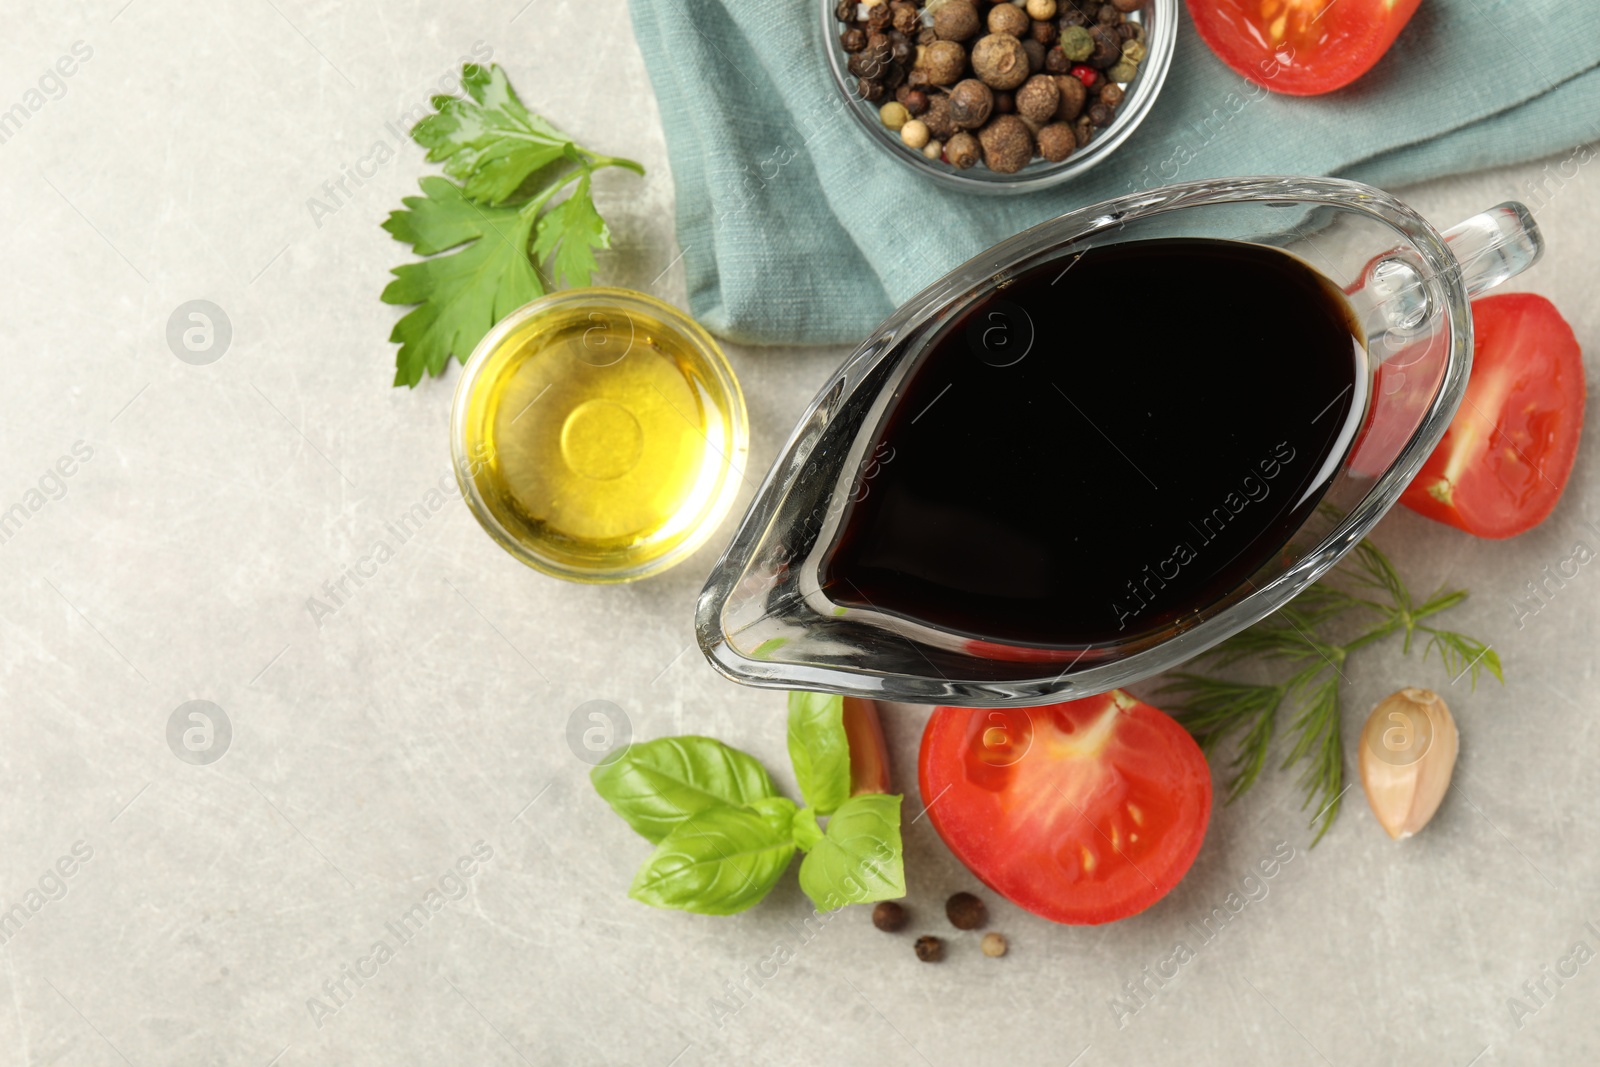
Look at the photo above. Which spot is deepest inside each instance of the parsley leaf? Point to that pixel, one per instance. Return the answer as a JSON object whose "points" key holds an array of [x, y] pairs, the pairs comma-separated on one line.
{"points": [[462, 294], [490, 142], [506, 216], [568, 235]]}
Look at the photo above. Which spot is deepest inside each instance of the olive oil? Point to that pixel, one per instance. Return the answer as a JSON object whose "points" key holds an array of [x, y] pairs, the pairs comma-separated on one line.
{"points": [[1105, 445], [601, 439]]}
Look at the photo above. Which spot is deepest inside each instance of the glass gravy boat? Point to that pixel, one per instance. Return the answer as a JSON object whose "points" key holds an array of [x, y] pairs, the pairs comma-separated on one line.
{"points": [[764, 618]]}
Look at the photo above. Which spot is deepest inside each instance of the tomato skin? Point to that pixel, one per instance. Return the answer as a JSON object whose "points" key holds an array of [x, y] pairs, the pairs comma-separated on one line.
{"points": [[1506, 457], [1321, 45], [1047, 805]]}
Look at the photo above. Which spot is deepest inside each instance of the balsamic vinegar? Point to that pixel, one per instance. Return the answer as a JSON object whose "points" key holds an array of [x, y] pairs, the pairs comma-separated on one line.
{"points": [[1110, 442]]}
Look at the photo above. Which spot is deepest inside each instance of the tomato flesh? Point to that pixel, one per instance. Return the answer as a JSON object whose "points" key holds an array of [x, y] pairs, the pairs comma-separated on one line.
{"points": [[1083, 812], [1300, 47], [1509, 450]]}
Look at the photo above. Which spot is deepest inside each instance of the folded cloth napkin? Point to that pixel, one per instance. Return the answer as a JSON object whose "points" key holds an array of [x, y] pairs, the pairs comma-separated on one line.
{"points": [[795, 229]]}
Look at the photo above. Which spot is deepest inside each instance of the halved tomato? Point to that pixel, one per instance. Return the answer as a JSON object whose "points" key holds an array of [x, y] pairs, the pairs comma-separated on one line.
{"points": [[1506, 457], [1082, 812], [1300, 47]]}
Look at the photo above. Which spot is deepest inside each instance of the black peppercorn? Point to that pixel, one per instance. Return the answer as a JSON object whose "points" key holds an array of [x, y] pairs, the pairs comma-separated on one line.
{"points": [[878, 53], [901, 47], [870, 90], [1045, 32], [1108, 15], [888, 916], [965, 911], [1107, 47], [1111, 94], [927, 35], [929, 949], [879, 17], [1056, 61], [1072, 17], [905, 16], [854, 39], [913, 100], [894, 76], [1101, 113], [1035, 53], [845, 10], [1125, 30]]}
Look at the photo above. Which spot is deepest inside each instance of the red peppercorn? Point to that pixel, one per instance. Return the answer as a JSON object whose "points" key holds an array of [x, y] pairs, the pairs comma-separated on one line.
{"points": [[1086, 74]]}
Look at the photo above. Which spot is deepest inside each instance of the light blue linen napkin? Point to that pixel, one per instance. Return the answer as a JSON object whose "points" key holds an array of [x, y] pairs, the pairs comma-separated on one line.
{"points": [[795, 229]]}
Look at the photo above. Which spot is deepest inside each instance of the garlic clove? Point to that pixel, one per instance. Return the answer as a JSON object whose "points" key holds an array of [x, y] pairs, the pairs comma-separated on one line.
{"points": [[1408, 752]]}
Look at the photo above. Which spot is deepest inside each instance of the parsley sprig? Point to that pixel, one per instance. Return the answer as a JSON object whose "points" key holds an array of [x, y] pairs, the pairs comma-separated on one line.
{"points": [[1302, 638], [513, 232]]}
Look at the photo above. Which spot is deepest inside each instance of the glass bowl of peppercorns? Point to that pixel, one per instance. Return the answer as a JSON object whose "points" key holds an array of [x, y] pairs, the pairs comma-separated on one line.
{"points": [[999, 95]]}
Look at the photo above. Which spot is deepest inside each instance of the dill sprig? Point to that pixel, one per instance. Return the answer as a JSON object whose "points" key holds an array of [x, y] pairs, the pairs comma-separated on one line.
{"points": [[1365, 587]]}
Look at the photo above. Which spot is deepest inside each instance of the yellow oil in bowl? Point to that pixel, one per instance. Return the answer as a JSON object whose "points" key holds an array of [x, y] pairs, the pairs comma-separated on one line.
{"points": [[599, 435]]}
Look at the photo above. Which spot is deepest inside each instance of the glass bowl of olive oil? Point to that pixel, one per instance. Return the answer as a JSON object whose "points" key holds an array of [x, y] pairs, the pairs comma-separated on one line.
{"points": [[599, 435]]}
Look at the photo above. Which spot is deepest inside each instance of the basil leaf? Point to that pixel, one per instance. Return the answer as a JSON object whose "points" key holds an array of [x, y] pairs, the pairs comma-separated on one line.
{"points": [[819, 749], [805, 830], [720, 861], [859, 857], [655, 785], [779, 813]]}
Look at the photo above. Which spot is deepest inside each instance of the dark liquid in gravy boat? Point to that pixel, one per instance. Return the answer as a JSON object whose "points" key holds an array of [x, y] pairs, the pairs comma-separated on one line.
{"points": [[1111, 442]]}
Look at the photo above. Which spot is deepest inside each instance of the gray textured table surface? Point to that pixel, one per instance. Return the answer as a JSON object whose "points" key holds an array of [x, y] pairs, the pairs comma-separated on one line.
{"points": [[208, 904]]}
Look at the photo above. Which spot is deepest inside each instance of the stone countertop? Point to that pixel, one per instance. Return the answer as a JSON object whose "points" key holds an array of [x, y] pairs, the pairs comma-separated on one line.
{"points": [[178, 912]]}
